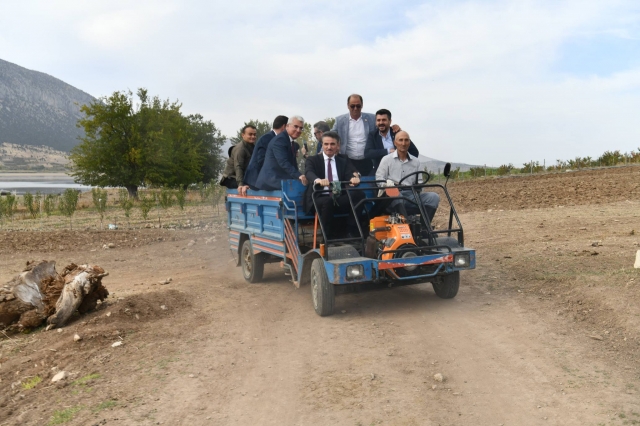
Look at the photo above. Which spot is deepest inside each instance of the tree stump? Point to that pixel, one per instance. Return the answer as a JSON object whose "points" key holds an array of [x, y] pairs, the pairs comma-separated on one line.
{"points": [[40, 294]]}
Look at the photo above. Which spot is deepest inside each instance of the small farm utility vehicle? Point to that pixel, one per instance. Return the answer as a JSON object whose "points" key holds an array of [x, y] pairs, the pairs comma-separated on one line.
{"points": [[392, 249]]}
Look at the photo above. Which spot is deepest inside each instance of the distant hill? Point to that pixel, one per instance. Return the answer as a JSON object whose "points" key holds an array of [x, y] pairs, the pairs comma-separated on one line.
{"points": [[436, 166], [37, 109], [31, 158]]}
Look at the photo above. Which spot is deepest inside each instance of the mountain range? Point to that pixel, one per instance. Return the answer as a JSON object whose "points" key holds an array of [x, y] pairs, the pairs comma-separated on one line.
{"points": [[38, 109]]}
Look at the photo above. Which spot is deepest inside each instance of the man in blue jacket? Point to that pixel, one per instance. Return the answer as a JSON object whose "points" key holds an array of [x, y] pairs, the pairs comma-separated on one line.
{"points": [[280, 159], [257, 158], [380, 141]]}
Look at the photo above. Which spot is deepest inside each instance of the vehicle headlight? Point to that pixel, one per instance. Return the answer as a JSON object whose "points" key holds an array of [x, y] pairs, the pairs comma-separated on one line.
{"points": [[461, 260], [389, 242], [355, 271]]}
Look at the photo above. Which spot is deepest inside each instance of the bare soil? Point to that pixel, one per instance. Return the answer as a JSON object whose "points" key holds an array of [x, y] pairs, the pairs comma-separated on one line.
{"points": [[544, 332]]}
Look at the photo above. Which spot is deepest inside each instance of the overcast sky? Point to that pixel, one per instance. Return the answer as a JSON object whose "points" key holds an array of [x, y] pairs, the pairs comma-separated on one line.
{"points": [[481, 82]]}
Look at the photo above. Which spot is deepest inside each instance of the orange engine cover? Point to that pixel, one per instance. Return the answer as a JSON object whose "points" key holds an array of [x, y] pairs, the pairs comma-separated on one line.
{"points": [[398, 234]]}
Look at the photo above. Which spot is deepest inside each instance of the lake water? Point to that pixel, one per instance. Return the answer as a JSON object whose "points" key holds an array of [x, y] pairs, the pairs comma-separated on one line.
{"points": [[45, 183]]}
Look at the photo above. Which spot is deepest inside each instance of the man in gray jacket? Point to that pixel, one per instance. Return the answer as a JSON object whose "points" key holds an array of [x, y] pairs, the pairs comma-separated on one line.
{"points": [[353, 129], [238, 161]]}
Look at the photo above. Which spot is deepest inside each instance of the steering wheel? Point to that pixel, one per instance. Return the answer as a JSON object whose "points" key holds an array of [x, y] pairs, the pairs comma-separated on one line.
{"points": [[416, 173]]}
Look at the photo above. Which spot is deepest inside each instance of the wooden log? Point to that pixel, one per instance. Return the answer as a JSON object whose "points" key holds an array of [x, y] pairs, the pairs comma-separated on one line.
{"points": [[21, 300], [39, 293], [81, 282]]}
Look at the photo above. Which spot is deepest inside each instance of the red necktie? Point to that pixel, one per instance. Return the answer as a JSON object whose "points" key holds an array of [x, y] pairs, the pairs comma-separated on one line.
{"points": [[329, 172]]}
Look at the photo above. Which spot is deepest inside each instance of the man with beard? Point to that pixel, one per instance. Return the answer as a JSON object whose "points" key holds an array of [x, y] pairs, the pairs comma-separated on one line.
{"points": [[380, 141], [239, 158]]}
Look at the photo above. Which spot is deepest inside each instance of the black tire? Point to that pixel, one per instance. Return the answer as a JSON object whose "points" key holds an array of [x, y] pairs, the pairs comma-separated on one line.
{"points": [[322, 291], [447, 287], [252, 264]]}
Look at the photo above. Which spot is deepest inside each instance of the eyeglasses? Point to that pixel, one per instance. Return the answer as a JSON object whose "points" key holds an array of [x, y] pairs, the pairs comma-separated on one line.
{"points": [[317, 133], [355, 106], [297, 127]]}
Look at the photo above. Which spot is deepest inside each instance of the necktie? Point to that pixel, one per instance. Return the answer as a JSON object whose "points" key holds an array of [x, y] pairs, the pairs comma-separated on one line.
{"points": [[293, 150], [329, 171]]}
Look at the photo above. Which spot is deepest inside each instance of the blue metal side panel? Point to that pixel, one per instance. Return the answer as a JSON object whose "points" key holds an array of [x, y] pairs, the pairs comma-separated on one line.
{"points": [[258, 214], [260, 244], [254, 222], [236, 215], [272, 222]]}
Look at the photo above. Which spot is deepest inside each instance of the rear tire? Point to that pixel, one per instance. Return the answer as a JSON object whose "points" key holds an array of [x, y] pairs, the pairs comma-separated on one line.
{"points": [[447, 286], [252, 263], [322, 290]]}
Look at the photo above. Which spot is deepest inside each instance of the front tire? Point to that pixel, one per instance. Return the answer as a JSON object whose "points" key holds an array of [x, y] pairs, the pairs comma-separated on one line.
{"points": [[252, 263], [447, 287], [322, 290]]}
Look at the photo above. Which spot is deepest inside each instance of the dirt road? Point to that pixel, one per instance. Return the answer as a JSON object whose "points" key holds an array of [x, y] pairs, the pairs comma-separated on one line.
{"points": [[543, 332]]}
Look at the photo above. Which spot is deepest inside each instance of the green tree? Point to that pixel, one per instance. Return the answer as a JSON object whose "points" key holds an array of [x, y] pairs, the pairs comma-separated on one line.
{"points": [[2, 208], [32, 207], [262, 127], [181, 197], [217, 193], [146, 204], [125, 202], [49, 204], [10, 205], [69, 203], [504, 169], [331, 121], [166, 198], [100, 197], [151, 143], [210, 141]]}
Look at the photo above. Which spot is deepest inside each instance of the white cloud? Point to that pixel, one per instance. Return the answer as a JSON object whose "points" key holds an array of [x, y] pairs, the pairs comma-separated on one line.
{"points": [[472, 81]]}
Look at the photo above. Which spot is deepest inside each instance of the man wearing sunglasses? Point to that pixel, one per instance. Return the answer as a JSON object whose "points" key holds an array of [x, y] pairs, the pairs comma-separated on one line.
{"points": [[353, 129], [280, 159]]}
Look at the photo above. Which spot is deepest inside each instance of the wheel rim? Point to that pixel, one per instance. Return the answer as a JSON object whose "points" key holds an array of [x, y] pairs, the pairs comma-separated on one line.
{"points": [[246, 261], [314, 288]]}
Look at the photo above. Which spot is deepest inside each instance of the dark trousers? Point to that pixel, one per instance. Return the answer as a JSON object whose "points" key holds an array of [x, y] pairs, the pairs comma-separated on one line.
{"points": [[326, 209], [364, 166], [229, 182]]}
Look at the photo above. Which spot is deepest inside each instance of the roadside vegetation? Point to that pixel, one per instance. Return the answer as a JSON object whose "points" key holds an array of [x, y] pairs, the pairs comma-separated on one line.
{"points": [[607, 159], [112, 208]]}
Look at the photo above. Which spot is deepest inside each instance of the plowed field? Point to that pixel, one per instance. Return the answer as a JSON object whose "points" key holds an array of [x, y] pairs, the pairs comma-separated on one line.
{"points": [[546, 330]]}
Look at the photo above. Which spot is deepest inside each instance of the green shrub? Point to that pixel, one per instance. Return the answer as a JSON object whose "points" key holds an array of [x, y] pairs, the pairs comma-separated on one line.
{"points": [[146, 204], [69, 203]]}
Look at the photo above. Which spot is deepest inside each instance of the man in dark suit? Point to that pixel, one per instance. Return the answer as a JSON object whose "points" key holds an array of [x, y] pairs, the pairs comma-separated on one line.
{"points": [[380, 141], [257, 159], [324, 168], [280, 158], [353, 129]]}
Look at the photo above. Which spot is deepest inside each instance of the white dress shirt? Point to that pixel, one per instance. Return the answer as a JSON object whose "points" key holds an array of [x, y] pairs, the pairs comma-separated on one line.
{"points": [[334, 169], [387, 141], [357, 139]]}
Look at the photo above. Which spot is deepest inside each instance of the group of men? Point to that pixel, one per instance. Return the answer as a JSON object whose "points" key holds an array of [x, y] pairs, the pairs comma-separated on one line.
{"points": [[360, 144]]}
